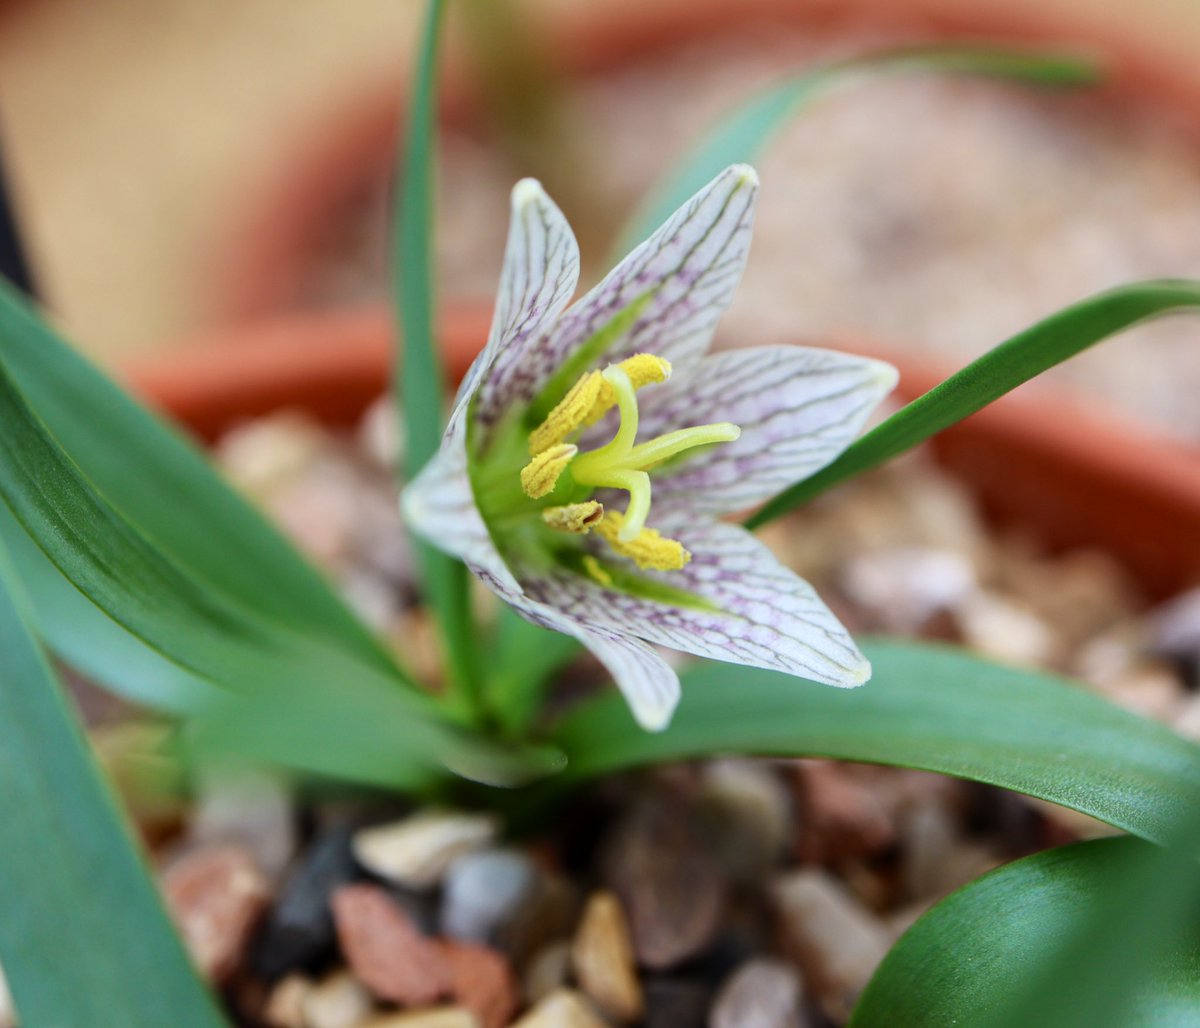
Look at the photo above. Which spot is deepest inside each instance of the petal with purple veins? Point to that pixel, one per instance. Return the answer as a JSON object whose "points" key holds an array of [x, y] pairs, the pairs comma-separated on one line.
{"points": [[439, 505], [749, 608], [798, 408], [537, 281], [673, 289]]}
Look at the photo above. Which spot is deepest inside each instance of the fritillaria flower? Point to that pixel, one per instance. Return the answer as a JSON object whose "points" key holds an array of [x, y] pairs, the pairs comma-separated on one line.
{"points": [[593, 449]]}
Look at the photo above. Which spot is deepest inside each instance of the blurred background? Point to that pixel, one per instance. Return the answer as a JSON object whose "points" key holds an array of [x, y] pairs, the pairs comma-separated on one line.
{"points": [[182, 167]]}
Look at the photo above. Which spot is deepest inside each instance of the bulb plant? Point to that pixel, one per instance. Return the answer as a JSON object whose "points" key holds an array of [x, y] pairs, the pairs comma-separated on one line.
{"points": [[589, 473]]}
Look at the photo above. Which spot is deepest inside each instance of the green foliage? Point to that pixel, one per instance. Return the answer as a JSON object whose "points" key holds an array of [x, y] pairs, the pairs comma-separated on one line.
{"points": [[84, 938], [929, 707], [419, 384], [168, 493], [985, 380], [1097, 935]]}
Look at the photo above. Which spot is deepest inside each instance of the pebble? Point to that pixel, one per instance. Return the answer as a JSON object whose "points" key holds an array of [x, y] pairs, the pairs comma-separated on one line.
{"points": [[670, 883], [745, 815], [417, 851], [385, 950], [602, 955], [483, 893], [482, 982], [251, 810], [836, 939], [762, 993], [564, 1008], [298, 932], [548, 969], [434, 1017], [842, 817], [999, 628], [285, 1005], [1174, 633], [216, 895], [901, 589], [338, 1001]]}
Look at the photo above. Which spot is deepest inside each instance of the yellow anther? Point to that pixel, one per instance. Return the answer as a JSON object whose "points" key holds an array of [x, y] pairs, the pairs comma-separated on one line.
{"points": [[574, 517], [570, 413], [648, 549], [594, 568], [643, 369], [540, 475]]}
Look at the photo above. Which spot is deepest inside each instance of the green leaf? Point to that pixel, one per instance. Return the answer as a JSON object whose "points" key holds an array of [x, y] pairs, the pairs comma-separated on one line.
{"points": [[741, 136], [165, 487], [420, 384], [1059, 939], [84, 938], [997, 372], [525, 658], [929, 707], [265, 681]]}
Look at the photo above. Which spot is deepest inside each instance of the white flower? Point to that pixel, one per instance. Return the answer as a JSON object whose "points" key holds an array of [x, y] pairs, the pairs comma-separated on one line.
{"points": [[573, 420]]}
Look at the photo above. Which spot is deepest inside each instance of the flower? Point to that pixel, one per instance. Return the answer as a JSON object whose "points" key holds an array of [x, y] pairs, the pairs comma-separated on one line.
{"points": [[593, 448]]}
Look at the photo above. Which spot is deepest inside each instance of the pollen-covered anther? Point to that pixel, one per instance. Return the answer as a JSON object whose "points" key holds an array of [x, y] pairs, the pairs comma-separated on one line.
{"points": [[574, 517], [649, 550], [568, 414], [643, 369], [540, 475]]}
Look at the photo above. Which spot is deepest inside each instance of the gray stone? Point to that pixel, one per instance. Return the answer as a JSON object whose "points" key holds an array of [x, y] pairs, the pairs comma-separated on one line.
{"points": [[762, 993], [482, 893], [547, 971], [251, 810], [745, 816]]}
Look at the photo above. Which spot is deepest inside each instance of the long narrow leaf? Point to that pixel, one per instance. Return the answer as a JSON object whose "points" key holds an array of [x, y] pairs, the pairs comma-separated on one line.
{"points": [[743, 135], [166, 488], [420, 383], [1047, 922], [928, 707], [997, 372], [84, 939], [244, 657]]}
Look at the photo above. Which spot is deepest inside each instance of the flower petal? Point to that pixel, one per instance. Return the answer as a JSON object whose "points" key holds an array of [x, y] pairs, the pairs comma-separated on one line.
{"points": [[798, 408], [439, 505], [540, 273], [684, 277], [755, 611]]}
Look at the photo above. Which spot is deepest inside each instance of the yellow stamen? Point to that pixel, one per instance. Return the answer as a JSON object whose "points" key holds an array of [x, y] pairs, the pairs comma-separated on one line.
{"points": [[540, 475], [594, 568], [574, 517], [570, 413], [648, 549], [643, 369]]}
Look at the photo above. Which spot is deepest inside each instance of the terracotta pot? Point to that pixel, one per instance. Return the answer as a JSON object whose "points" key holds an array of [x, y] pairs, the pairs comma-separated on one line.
{"points": [[297, 206], [1066, 472]]}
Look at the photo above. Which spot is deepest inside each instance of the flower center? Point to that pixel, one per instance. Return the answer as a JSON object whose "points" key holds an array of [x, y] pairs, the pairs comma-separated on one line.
{"points": [[622, 463]]}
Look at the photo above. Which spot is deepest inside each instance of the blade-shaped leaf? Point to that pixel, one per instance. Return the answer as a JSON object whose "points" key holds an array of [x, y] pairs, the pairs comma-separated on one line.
{"points": [[928, 707], [744, 133], [84, 938], [419, 384], [244, 656], [997, 372], [1057, 938], [166, 488]]}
